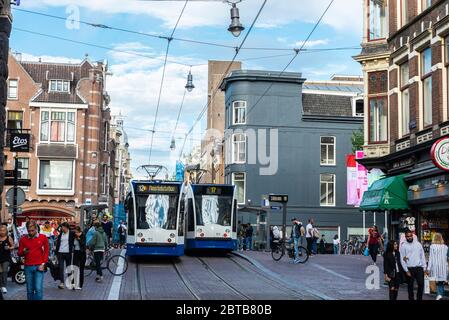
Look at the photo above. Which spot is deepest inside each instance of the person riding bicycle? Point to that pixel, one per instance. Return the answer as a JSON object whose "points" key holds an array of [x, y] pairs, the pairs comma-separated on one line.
{"points": [[294, 237], [98, 244]]}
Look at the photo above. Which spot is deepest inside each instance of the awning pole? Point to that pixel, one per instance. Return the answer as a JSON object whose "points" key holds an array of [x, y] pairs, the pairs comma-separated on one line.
{"points": [[364, 228], [374, 217], [386, 222]]}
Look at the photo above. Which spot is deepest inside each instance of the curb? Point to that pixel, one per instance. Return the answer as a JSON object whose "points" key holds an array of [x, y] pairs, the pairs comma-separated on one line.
{"points": [[288, 284]]}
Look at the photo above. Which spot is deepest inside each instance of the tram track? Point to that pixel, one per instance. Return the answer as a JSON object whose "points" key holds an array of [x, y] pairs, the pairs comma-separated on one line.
{"points": [[226, 283], [138, 279], [185, 281]]}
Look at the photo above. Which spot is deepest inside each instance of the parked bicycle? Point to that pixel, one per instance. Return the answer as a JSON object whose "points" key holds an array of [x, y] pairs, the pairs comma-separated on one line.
{"points": [[280, 248], [110, 262]]}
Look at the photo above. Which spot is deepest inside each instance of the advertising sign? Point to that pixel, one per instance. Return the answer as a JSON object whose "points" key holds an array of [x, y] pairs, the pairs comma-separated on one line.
{"points": [[440, 153]]}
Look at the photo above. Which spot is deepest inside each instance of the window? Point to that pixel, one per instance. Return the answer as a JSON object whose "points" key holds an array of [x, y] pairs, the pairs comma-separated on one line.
{"points": [[59, 86], [426, 4], [404, 12], [56, 175], [378, 119], [15, 120], [190, 216], [239, 112], [239, 148], [24, 164], [104, 179], [13, 89], [426, 77], [359, 108], [377, 19], [58, 126], [327, 189], [182, 209], [238, 179], [327, 146], [106, 136], [405, 98]]}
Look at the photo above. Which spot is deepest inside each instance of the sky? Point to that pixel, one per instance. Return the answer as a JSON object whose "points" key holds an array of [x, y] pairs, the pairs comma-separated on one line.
{"points": [[135, 81]]}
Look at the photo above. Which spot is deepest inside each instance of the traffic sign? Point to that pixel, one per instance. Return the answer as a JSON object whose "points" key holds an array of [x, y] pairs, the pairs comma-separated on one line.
{"points": [[278, 198], [20, 196], [20, 182], [276, 207]]}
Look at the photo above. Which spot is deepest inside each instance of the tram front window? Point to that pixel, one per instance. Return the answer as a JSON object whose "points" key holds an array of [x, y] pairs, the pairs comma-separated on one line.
{"points": [[157, 211], [213, 210]]}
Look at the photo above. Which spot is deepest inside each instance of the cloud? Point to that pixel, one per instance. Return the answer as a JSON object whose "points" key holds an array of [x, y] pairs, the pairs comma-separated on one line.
{"points": [[343, 14], [46, 58]]}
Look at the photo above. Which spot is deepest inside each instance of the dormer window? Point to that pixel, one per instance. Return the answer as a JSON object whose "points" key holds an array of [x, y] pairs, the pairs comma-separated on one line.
{"points": [[59, 86]]}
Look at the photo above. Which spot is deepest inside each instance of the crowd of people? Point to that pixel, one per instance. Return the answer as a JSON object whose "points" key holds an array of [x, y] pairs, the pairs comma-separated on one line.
{"points": [[59, 246]]}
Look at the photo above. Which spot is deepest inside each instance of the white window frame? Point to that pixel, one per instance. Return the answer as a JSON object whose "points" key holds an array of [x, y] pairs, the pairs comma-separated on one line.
{"points": [[56, 192], [354, 105], [327, 151], [17, 89], [234, 107], [105, 175], [377, 26], [334, 191], [66, 111], [237, 161], [62, 85], [244, 186], [28, 171], [404, 89], [425, 77]]}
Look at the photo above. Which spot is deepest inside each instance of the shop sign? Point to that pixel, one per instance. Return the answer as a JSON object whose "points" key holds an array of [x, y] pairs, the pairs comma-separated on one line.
{"points": [[440, 153], [403, 163]]}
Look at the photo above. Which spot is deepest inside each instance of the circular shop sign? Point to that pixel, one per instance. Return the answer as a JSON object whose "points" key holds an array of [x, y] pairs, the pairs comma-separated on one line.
{"points": [[440, 153]]}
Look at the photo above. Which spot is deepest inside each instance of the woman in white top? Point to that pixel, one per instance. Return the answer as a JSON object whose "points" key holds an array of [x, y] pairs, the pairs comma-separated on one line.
{"points": [[437, 266], [336, 242]]}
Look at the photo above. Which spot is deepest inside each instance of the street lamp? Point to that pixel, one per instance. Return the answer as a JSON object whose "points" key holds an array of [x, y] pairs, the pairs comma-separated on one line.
{"points": [[172, 144], [189, 86], [235, 27]]}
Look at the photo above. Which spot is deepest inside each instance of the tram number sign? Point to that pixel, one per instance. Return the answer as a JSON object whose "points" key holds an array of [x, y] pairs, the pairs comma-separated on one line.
{"points": [[278, 198]]}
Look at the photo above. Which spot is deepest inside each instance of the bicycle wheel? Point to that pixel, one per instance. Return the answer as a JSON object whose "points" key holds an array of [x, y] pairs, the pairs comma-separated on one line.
{"points": [[89, 267], [117, 265], [277, 252], [303, 255]]}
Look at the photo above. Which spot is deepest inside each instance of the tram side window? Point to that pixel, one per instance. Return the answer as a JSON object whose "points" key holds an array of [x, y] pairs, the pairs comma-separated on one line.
{"points": [[190, 216], [129, 208], [181, 217], [234, 217], [199, 211]]}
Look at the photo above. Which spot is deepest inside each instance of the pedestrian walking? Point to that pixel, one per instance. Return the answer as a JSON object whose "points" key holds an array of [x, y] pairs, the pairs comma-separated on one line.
{"points": [[393, 271], [294, 238], [91, 231], [316, 236], [64, 251], [79, 256], [10, 228], [249, 236], [302, 237], [6, 245], [309, 236], [34, 247], [373, 241], [322, 245], [241, 236], [98, 244], [48, 231], [121, 230], [414, 263], [336, 244], [438, 260], [107, 227]]}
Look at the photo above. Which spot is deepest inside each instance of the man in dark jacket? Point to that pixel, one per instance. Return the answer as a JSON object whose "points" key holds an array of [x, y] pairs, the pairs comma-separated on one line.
{"points": [[294, 237], [64, 250], [249, 237], [107, 227]]}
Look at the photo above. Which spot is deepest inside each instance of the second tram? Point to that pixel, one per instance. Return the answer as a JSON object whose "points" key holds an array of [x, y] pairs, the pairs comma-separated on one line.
{"points": [[155, 223]]}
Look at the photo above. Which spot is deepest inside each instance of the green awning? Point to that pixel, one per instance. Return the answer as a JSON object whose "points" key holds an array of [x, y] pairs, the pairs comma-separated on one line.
{"points": [[386, 194]]}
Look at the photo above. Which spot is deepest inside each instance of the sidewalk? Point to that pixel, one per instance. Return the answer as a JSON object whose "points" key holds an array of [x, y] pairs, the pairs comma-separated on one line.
{"points": [[338, 277]]}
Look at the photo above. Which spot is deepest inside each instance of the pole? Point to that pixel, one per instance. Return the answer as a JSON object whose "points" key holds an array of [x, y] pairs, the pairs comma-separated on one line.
{"points": [[364, 224], [374, 217], [16, 174], [284, 220], [386, 223], [268, 228]]}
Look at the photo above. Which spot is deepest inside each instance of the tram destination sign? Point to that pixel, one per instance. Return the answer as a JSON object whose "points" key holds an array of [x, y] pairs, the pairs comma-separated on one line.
{"points": [[214, 190], [278, 198], [157, 189]]}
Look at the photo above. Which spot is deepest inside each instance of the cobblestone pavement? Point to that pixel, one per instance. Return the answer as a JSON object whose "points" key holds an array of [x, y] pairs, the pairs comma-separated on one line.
{"points": [[245, 275]]}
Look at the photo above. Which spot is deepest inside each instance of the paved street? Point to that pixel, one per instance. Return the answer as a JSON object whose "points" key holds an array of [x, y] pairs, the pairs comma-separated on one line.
{"points": [[241, 276]]}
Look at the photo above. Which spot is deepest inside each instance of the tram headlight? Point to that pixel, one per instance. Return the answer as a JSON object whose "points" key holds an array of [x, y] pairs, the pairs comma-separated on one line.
{"points": [[201, 234], [228, 231], [140, 234], [172, 235], [142, 240], [225, 235], [169, 240]]}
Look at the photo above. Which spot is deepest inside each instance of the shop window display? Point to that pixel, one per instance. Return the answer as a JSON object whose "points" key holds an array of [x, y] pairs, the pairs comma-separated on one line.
{"points": [[431, 223]]}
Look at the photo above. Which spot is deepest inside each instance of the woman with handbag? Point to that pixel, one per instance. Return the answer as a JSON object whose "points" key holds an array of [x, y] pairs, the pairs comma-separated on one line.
{"points": [[374, 239], [79, 256], [393, 271], [437, 266]]}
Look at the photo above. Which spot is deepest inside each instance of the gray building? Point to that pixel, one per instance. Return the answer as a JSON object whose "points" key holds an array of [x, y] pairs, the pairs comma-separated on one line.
{"points": [[287, 136]]}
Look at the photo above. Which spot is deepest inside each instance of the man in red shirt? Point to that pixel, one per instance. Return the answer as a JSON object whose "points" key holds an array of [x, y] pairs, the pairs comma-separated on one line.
{"points": [[35, 248]]}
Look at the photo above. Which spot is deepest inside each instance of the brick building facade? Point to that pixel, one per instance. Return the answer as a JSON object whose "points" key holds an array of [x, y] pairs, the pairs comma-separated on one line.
{"points": [[65, 109], [405, 57]]}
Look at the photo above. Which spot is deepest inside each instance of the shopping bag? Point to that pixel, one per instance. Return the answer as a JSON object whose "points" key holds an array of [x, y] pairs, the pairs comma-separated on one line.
{"points": [[426, 285], [432, 285], [366, 252]]}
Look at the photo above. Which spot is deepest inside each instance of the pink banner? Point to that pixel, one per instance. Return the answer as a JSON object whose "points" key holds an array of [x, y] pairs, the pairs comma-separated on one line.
{"points": [[362, 178], [351, 191]]}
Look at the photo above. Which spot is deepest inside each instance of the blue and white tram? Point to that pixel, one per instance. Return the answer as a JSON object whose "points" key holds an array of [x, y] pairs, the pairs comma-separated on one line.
{"points": [[155, 225], [211, 212]]}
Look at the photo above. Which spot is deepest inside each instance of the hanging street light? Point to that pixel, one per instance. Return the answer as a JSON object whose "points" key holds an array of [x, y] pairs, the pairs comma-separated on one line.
{"points": [[235, 27], [173, 144], [189, 86]]}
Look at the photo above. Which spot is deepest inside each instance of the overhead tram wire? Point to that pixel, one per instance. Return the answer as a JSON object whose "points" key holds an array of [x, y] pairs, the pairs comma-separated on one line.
{"points": [[237, 51], [294, 57], [163, 77]]}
